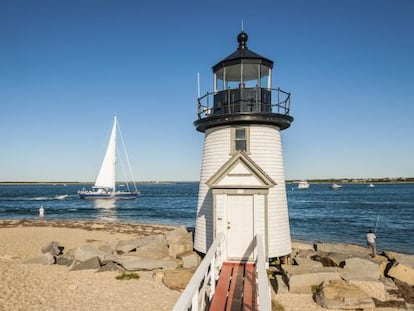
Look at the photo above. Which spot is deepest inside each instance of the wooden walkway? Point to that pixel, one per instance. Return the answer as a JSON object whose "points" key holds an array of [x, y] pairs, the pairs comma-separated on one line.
{"points": [[236, 288]]}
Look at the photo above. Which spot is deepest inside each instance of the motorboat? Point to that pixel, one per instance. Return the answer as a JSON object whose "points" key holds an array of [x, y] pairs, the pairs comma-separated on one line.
{"points": [[303, 184], [335, 186]]}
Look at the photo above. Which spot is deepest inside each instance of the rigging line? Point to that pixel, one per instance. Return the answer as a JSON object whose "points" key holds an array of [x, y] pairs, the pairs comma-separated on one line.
{"points": [[124, 173], [126, 157], [376, 224]]}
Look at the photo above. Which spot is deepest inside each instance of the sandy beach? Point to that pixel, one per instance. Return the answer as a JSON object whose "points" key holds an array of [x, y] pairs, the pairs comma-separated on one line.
{"points": [[26, 286], [38, 287]]}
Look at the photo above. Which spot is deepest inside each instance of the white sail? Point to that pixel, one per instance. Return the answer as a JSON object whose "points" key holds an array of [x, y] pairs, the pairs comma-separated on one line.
{"points": [[106, 176]]}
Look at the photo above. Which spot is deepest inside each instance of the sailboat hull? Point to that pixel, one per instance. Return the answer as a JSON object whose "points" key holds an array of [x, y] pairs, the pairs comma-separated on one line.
{"points": [[108, 195]]}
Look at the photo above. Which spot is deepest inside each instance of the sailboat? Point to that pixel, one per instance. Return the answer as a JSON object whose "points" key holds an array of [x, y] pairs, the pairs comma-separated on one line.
{"points": [[105, 185]]}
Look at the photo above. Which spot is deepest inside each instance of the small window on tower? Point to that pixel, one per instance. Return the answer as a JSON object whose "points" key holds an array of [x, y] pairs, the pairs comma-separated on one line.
{"points": [[240, 139]]}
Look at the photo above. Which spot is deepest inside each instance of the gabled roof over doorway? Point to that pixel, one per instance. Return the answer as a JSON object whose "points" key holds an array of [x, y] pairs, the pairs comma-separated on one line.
{"points": [[240, 171]]}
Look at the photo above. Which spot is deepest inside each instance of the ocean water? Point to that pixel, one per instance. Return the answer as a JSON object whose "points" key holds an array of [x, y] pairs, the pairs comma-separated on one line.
{"points": [[316, 214]]}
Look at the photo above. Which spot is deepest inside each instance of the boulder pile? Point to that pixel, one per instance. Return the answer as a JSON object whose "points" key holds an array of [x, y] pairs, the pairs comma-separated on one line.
{"points": [[346, 277], [164, 251]]}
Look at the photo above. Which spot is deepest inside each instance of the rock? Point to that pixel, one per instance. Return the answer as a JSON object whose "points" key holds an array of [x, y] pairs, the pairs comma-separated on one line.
{"points": [[356, 268], [158, 276], [64, 260], [374, 288], [90, 263], [156, 240], [176, 234], [389, 285], [303, 253], [86, 252], [303, 283], [150, 252], [44, 259], [308, 263], [406, 292], [189, 259], [107, 248], [331, 259], [349, 249], [153, 246], [302, 279], [53, 248], [407, 260], [302, 245], [125, 246], [177, 279], [390, 305], [110, 266], [180, 244], [67, 258], [402, 273], [278, 284], [339, 294], [135, 263]]}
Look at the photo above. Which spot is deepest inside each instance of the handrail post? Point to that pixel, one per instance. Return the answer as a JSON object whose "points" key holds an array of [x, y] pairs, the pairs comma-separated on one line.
{"points": [[264, 300], [193, 297], [194, 302], [213, 276]]}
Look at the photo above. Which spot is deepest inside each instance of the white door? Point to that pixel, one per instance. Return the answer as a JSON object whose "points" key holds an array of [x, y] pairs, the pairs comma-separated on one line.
{"points": [[239, 227]]}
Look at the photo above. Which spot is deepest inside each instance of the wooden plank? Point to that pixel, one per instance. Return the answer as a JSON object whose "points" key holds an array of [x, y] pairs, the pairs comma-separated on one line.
{"points": [[220, 296], [234, 300], [249, 291]]}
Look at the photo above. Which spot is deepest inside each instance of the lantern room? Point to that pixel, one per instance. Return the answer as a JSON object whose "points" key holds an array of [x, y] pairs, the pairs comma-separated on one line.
{"points": [[242, 92]]}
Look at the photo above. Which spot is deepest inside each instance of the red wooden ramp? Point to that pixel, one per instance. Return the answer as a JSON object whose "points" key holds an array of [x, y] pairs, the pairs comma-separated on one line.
{"points": [[236, 288]]}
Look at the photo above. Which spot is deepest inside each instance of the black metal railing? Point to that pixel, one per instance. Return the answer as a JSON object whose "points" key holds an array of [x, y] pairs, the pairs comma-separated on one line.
{"points": [[244, 101]]}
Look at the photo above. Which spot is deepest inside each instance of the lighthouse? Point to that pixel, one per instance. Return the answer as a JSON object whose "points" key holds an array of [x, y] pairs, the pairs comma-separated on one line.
{"points": [[242, 191]]}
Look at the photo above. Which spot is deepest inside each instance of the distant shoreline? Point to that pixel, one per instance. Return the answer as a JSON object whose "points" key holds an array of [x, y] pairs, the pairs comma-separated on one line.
{"points": [[400, 180], [87, 182]]}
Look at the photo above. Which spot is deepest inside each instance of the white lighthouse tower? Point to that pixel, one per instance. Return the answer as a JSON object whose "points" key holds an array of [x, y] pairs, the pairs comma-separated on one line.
{"points": [[242, 185]]}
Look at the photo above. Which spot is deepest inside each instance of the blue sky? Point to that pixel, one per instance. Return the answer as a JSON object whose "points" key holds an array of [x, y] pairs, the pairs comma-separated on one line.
{"points": [[66, 67]]}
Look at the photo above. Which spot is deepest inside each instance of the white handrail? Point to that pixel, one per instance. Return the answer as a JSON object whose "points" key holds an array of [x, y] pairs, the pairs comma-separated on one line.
{"points": [[264, 300], [193, 297]]}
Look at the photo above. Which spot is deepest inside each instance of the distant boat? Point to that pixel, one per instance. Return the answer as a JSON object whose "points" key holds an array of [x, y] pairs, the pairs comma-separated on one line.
{"points": [[371, 185], [335, 186], [303, 184], [105, 185]]}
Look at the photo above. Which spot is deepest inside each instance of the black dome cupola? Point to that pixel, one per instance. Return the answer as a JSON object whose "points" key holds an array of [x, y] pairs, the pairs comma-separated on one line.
{"points": [[242, 39], [243, 56], [243, 92]]}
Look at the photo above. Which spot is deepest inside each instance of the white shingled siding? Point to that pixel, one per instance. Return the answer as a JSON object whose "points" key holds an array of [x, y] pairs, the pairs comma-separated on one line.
{"points": [[266, 151], [216, 152]]}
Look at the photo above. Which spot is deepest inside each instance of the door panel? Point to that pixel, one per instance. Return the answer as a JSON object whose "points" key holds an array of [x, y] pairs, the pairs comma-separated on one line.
{"points": [[239, 227]]}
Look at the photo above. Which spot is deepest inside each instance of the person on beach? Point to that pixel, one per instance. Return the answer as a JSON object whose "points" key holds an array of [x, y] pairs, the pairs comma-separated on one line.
{"points": [[371, 242], [41, 212]]}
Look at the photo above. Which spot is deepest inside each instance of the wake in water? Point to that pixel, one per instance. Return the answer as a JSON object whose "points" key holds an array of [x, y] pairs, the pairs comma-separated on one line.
{"points": [[61, 197]]}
